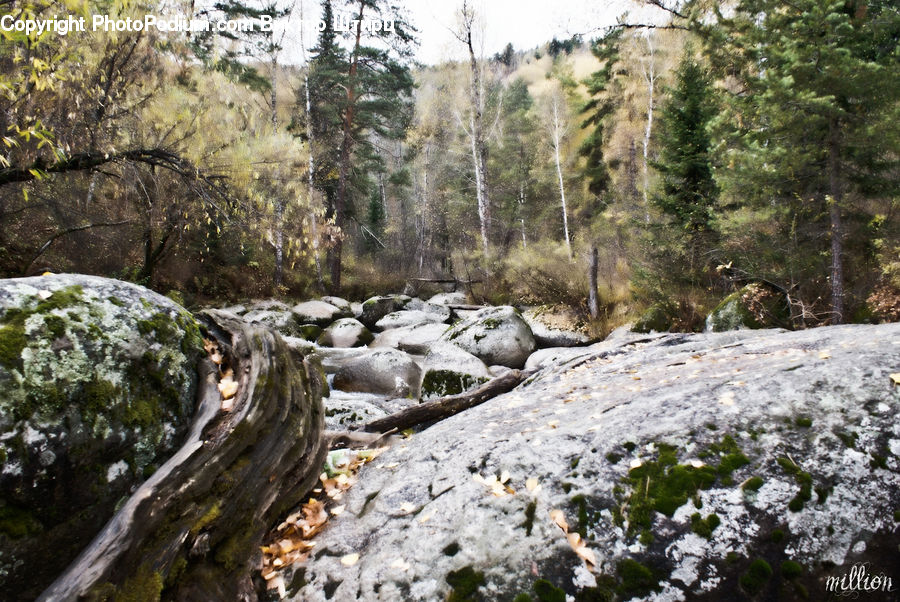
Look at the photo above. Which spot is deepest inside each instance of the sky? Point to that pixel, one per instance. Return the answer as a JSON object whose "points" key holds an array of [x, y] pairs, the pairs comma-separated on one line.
{"points": [[524, 23]]}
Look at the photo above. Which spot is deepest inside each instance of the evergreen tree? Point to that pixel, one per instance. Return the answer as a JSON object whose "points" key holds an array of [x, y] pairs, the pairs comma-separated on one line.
{"points": [[598, 108], [689, 192], [818, 83], [378, 100]]}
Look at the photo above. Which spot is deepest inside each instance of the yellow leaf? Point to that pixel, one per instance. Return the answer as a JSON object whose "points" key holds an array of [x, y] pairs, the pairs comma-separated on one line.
{"points": [[824, 355], [337, 510], [560, 519], [350, 559], [227, 387], [531, 483], [896, 378]]}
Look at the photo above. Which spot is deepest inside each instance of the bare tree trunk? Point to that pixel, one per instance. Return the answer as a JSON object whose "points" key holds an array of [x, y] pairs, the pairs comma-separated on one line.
{"points": [[479, 146], [837, 243], [649, 71], [557, 134], [313, 218], [593, 301], [346, 149], [278, 276], [522, 213]]}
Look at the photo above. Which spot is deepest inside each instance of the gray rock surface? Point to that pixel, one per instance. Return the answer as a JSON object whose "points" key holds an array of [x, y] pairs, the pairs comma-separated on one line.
{"points": [[385, 371], [268, 305], [378, 307], [442, 312], [456, 298], [789, 439], [553, 355], [346, 332], [416, 339], [399, 319], [97, 384], [496, 335], [338, 302], [448, 370], [554, 327], [318, 313], [283, 322]]}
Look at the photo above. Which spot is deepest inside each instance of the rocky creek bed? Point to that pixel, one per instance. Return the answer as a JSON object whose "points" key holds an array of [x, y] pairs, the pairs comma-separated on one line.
{"points": [[753, 464]]}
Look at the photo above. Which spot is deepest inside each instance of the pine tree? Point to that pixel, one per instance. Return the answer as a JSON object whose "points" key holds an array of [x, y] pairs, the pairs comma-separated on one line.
{"points": [[688, 196], [817, 81]]}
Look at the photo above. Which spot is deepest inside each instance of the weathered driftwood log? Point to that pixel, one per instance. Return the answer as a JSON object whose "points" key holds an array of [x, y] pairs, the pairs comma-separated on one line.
{"points": [[448, 406], [192, 530]]}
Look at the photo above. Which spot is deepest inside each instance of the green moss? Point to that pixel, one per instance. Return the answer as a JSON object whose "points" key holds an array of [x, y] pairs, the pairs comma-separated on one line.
{"points": [[529, 516], [17, 523], [897, 516], [822, 494], [777, 535], [447, 382], [465, 583], [236, 549], [451, 549], [613, 457], [791, 569], [803, 421], [144, 586], [547, 592], [756, 577], [215, 510], [732, 557], [804, 479], [848, 439], [635, 579], [753, 484], [878, 461], [12, 342], [630, 446], [704, 527], [523, 597]]}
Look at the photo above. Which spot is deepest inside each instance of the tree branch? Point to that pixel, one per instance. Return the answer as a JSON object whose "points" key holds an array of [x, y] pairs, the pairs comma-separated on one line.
{"points": [[65, 232]]}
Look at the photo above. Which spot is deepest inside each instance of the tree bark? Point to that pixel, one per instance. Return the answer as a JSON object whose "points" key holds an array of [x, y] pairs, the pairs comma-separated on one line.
{"points": [[837, 243], [192, 530], [557, 135], [346, 151], [479, 147], [593, 301], [448, 406]]}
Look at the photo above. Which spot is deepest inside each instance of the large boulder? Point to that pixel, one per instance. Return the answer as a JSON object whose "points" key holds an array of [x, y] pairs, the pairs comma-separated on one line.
{"points": [[556, 326], [455, 298], [280, 321], [416, 340], [754, 306], [448, 370], [496, 335], [442, 313], [318, 313], [346, 332], [97, 386], [378, 307], [383, 371], [740, 465], [399, 319], [340, 303]]}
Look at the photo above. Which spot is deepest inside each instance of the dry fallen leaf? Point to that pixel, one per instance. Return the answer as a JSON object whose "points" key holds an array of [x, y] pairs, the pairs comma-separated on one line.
{"points": [[560, 519], [896, 378], [350, 559], [531, 483], [227, 386], [824, 355]]}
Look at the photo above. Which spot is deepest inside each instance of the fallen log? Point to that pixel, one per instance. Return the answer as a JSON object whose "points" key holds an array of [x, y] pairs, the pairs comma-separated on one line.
{"points": [[448, 406], [192, 531]]}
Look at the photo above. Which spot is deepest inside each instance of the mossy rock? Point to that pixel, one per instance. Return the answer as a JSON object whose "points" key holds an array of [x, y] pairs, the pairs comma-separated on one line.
{"points": [[752, 307], [656, 318], [97, 386]]}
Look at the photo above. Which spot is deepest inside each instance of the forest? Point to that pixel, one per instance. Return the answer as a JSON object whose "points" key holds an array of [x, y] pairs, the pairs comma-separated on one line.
{"points": [[653, 165]]}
